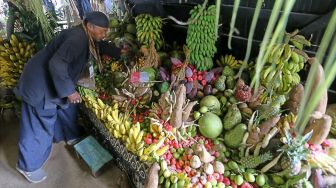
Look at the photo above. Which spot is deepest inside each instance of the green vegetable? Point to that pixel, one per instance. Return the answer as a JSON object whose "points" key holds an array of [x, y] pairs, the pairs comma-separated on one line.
{"points": [[261, 180], [227, 71], [249, 177], [212, 103], [210, 125], [230, 82], [131, 28], [234, 137], [203, 109], [239, 179], [232, 117], [197, 115], [233, 165], [163, 87], [220, 83], [277, 179]]}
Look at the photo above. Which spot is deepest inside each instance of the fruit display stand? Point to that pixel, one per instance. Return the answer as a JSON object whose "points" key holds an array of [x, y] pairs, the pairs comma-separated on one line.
{"points": [[126, 161]]}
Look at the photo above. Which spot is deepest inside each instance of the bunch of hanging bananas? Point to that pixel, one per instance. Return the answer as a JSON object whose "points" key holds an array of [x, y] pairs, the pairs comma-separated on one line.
{"points": [[283, 64], [201, 37], [13, 55], [229, 60], [286, 123], [134, 141], [149, 29]]}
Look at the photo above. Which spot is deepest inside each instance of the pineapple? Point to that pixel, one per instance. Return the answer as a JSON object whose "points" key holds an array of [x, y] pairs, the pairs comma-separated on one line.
{"points": [[271, 109], [254, 161], [294, 151]]}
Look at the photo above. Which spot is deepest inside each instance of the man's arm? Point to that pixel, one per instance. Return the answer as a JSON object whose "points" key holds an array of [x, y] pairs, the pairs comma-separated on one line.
{"points": [[67, 53]]}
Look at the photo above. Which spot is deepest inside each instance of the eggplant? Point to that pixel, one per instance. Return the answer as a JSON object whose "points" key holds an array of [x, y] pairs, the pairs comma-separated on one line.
{"points": [[189, 86], [193, 93], [207, 90]]}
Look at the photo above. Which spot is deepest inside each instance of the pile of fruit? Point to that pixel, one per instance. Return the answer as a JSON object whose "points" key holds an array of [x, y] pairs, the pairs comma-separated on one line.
{"points": [[197, 124], [13, 55]]}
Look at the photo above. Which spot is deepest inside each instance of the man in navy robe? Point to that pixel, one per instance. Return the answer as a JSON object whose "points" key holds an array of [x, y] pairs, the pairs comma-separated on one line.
{"points": [[48, 90]]}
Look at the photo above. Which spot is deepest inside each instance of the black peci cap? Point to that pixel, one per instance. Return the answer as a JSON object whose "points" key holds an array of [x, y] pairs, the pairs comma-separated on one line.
{"points": [[97, 18]]}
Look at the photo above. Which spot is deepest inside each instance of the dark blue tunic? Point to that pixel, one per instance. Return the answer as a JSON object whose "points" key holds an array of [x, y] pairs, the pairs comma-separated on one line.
{"points": [[51, 75]]}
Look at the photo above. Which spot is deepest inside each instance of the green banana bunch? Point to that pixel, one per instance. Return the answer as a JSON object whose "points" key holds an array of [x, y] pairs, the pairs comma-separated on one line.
{"points": [[13, 55], [283, 64], [149, 29], [201, 37]]}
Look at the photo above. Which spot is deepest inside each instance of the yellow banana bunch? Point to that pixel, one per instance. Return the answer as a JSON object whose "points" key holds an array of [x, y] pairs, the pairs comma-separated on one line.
{"points": [[134, 140], [229, 60], [286, 123], [13, 55], [201, 37], [149, 29]]}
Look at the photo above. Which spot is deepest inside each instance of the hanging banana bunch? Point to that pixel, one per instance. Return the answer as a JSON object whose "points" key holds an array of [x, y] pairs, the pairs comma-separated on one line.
{"points": [[201, 37], [13, 55], [283, 64], [149, 28]]}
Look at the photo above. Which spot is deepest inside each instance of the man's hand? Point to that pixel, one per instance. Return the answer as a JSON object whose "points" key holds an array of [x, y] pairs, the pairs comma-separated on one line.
{"points": [[74, 98], [126, 48]]}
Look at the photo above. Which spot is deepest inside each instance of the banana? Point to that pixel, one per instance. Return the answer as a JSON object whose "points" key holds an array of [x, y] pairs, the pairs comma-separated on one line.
{"points": [[139, 137], [266, 72], [162, 150], [271, 75], [287, 53], [122, 129]]}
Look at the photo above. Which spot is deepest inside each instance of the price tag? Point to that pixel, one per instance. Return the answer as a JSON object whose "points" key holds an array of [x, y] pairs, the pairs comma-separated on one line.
{"points": [[91, 70]]}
